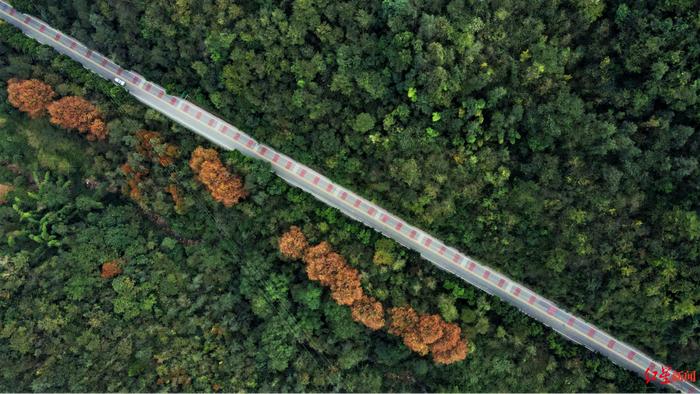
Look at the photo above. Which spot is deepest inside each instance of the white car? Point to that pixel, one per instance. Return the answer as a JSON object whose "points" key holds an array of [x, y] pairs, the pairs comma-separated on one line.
{"points": [[120, 82]]}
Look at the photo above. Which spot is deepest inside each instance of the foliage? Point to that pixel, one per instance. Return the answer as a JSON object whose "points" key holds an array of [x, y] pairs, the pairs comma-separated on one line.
{"points": [[151, 146], [77, 113], [31, 96], [292, 243], [330, 269], [368, 311], [428, 333], [110, 269], [555, 141], [4, 189], [134, 180], [420, 333], [223, 186]]}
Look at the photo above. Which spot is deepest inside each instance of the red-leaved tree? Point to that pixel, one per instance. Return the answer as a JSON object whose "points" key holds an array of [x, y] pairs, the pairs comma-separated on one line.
{"points": [[76, 113], [31, 96], [223, 187]]}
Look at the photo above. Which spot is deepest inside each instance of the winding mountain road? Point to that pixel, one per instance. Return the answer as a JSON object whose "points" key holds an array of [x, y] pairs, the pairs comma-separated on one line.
{"points": [[351, 204]]}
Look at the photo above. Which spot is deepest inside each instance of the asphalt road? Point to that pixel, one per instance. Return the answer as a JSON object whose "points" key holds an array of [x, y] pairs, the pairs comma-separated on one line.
{"points": [[351, 204]]}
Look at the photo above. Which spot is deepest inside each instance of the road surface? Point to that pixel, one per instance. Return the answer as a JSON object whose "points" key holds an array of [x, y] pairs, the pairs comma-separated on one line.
{"points": [[351, 204]]}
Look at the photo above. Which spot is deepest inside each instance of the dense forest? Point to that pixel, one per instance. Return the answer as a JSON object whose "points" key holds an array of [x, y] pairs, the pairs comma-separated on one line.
{"points": [[553, 140]]}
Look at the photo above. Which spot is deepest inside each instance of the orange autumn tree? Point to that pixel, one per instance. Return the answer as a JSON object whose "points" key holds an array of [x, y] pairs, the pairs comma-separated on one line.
{"points": [[346, 288], [110, 269], [429, 328], [422, 334], [4, 189], [403, 322], [293, 243], [403, 318], [425, 334], [31, 96], [223, 187], [177, 198], [133, 179], [331, 270], [368, 311], [150, 143], [76, 113], [322, 263], [450, 347]]}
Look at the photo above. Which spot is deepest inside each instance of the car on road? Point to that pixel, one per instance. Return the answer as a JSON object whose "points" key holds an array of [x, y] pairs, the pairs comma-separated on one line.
{"points": [[120, 82]]}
